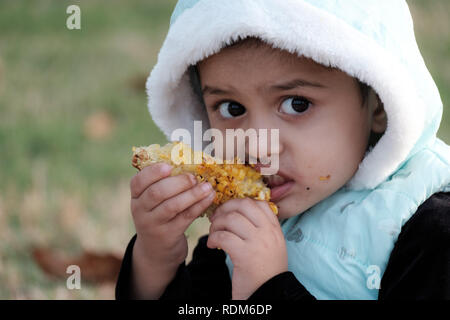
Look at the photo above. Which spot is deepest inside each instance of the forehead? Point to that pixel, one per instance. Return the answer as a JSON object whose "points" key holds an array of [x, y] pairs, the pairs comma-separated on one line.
{"points": [[241, 55]]}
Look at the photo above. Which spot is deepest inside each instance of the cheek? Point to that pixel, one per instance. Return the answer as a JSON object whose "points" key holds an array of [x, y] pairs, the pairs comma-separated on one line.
{"points": [[357, 136], [348, 134], [336, 150]]}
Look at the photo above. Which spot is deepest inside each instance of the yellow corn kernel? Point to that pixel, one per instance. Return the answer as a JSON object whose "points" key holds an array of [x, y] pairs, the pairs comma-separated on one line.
{"points": [[233, 180], [212, 181]]}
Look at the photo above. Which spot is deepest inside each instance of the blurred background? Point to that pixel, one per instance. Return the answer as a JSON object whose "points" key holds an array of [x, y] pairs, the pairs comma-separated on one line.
{"points": [[72, 104]]}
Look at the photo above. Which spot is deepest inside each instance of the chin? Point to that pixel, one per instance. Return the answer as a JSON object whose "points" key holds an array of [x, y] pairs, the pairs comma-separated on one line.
{"points": [[286, 209], [290, 206]]}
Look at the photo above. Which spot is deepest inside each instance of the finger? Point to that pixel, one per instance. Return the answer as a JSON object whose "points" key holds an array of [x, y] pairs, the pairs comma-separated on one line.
{"points": [[264, 205], [165, 189], [169, 208], [184, 219], [245, 206], [234, 222], [147, 176], [225, 240]]}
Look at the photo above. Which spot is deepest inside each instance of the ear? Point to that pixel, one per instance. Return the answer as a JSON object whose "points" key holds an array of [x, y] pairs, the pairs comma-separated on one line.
{"points": [[379, 117]]}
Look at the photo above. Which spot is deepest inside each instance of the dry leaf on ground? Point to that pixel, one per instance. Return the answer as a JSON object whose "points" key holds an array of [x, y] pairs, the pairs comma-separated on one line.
{"points": [[95, 267]]}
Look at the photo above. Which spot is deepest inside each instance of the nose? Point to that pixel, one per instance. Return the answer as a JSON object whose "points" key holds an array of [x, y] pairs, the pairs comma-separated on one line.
{"points": [[267, 144]]}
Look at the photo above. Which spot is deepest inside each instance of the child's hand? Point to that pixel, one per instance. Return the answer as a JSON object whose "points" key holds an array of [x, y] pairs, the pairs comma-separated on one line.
{"points": [[163, 207], [250, 233]]}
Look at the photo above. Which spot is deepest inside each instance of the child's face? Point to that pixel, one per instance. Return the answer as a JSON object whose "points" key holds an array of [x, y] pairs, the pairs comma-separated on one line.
{"points": [[323, 127]]}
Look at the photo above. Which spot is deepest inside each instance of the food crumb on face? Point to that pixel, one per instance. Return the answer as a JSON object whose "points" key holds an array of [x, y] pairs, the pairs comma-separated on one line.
{"points": [[325, 178]]}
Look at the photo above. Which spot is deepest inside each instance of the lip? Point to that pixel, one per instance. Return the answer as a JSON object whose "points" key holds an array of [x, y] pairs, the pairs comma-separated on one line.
{"points": [[283, 174], [278, 192]]}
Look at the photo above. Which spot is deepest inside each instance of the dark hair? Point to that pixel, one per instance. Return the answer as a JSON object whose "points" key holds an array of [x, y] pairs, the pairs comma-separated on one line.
{"points": [[194, 78], [364, 89]]}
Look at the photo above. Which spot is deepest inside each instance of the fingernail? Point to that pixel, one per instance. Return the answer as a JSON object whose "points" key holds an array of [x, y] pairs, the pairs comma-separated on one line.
{"points": [[212, 195], [193, 178], [206, 186]]}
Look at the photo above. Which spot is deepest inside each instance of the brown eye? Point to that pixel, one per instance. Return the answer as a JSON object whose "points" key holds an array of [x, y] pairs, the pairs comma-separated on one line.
{"points": [[295, 105], [231, 109]]}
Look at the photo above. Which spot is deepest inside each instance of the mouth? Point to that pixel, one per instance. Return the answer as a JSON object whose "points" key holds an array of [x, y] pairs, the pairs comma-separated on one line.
{"points": [[275, 180], [279, 185]]}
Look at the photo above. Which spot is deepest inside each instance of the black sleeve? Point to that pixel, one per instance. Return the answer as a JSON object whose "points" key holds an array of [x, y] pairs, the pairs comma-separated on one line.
{"points": [[419, 265], [205, 278], [283, 286], [123, 284]]}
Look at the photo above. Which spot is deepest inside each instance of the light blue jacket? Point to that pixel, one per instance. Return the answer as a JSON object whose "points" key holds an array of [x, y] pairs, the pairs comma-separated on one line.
{"points": [[339, 248]]}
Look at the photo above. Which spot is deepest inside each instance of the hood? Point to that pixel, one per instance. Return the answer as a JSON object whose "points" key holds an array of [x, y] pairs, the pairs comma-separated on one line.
{"points": [[372, 40]]}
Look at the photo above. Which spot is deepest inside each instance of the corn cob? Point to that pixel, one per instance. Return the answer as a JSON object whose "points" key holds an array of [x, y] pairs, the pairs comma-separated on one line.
{"points": [[229, 180]]}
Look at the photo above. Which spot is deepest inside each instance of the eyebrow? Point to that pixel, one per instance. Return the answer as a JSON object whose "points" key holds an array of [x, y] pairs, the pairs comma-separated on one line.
{"points": [[296, 83], [214, 91]]}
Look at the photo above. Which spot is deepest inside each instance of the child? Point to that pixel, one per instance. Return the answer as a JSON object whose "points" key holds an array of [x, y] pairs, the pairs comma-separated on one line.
{"points": [[363, 186]]}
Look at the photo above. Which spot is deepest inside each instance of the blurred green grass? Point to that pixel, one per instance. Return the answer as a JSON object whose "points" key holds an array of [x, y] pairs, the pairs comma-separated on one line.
{"points": [[64, 184]]}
